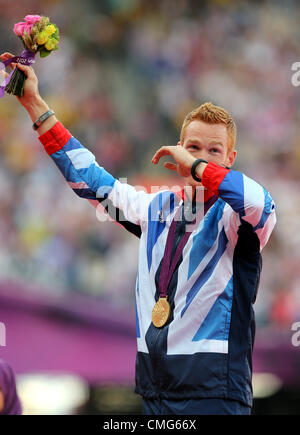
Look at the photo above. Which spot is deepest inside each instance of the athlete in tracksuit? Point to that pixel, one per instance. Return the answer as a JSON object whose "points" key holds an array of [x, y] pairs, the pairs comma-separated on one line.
{"points": [[205, 349], [200, 360]]}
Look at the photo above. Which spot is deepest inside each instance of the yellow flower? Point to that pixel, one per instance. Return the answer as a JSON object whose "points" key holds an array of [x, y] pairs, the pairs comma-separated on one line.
{"points": [[50, 29], [42, 37], [51, 44]]}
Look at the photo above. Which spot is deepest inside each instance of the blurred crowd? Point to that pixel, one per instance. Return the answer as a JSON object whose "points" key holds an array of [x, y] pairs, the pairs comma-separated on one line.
{"points": [[125, 75]]}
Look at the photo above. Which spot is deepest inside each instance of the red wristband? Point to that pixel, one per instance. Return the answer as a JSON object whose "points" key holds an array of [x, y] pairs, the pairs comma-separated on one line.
{"points": [[55, 138]]}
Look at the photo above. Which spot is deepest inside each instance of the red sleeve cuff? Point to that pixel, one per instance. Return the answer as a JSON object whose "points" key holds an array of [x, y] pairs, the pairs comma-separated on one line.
{"points": [[55, 138], [212, 177]]}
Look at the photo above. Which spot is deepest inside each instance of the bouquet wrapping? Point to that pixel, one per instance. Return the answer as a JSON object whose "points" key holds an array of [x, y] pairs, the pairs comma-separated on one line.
{"points": [[37, 35]]}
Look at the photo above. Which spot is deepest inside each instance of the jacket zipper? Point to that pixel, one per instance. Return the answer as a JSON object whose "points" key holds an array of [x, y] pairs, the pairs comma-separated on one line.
{"points": [[157, 363]]}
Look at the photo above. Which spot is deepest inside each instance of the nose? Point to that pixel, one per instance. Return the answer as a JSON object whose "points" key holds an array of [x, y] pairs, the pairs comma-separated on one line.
{"points": [[203, 155]]}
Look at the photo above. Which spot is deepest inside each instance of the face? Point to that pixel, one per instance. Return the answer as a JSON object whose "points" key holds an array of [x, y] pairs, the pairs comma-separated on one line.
{"points": [[208, 142]]}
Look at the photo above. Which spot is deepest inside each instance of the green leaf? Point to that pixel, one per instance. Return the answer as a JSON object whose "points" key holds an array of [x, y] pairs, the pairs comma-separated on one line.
{"points": [[44, 52], [55, 36], [56, 33]]}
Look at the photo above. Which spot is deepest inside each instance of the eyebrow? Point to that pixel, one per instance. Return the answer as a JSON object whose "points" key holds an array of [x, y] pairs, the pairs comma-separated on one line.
{"points": [[211, 142], [194, 141], [216, 142]]}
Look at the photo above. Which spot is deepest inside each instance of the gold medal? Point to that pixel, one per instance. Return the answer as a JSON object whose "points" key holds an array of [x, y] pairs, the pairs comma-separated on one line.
{"points": [[161, 312]]}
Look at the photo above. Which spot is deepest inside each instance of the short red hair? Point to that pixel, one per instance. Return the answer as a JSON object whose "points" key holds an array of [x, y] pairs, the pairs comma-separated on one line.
{"points": [[211, 114]]}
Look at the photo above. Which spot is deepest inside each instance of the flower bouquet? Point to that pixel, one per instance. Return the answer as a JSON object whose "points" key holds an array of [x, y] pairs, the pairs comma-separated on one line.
{"points": [[37, 35]]}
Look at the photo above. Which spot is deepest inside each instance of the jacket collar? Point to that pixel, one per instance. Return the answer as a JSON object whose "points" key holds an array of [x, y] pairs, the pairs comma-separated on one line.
{"points": [[209, 199]]}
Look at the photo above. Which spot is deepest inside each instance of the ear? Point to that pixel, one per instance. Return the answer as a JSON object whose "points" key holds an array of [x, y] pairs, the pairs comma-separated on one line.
{"points": [[179, 143], [231, 158]]}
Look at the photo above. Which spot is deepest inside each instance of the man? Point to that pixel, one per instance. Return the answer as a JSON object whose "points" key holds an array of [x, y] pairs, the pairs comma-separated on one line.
{"points": [[197, 277]]}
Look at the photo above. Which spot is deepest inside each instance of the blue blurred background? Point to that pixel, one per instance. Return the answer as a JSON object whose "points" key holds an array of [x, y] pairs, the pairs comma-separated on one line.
{"points": [[125, 75]]}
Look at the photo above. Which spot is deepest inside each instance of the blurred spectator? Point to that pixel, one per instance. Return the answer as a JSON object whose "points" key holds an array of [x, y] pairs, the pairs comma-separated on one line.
{"points": [[9, 400]]}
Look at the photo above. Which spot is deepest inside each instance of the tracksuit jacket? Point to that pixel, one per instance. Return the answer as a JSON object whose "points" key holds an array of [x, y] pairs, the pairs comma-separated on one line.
{"points": [[205, 348]]}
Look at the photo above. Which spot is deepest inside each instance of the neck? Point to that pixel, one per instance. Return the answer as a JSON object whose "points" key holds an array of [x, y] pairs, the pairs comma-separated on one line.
{"points": [[190, 193]]}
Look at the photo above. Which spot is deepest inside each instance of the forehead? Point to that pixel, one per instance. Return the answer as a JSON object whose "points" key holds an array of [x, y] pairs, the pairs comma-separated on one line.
{"points": [[203, 131]]}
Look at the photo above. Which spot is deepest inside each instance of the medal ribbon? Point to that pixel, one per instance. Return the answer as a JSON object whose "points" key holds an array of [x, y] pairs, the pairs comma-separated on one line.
{"points": [[167, 269], [26, 58]]}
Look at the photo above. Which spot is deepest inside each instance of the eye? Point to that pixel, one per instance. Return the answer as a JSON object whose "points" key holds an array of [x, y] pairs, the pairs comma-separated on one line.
{"points": [[194, 147], [214, 150]]}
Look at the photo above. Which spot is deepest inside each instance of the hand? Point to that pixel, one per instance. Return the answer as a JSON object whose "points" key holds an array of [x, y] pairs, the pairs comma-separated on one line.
{"points": [[31, 99], [183, 158], [31, 92]]}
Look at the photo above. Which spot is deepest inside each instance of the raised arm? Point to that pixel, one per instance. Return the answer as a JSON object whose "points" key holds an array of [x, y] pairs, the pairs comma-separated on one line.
{"points": [[250, 201], [31, 99], [78, 165]]}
